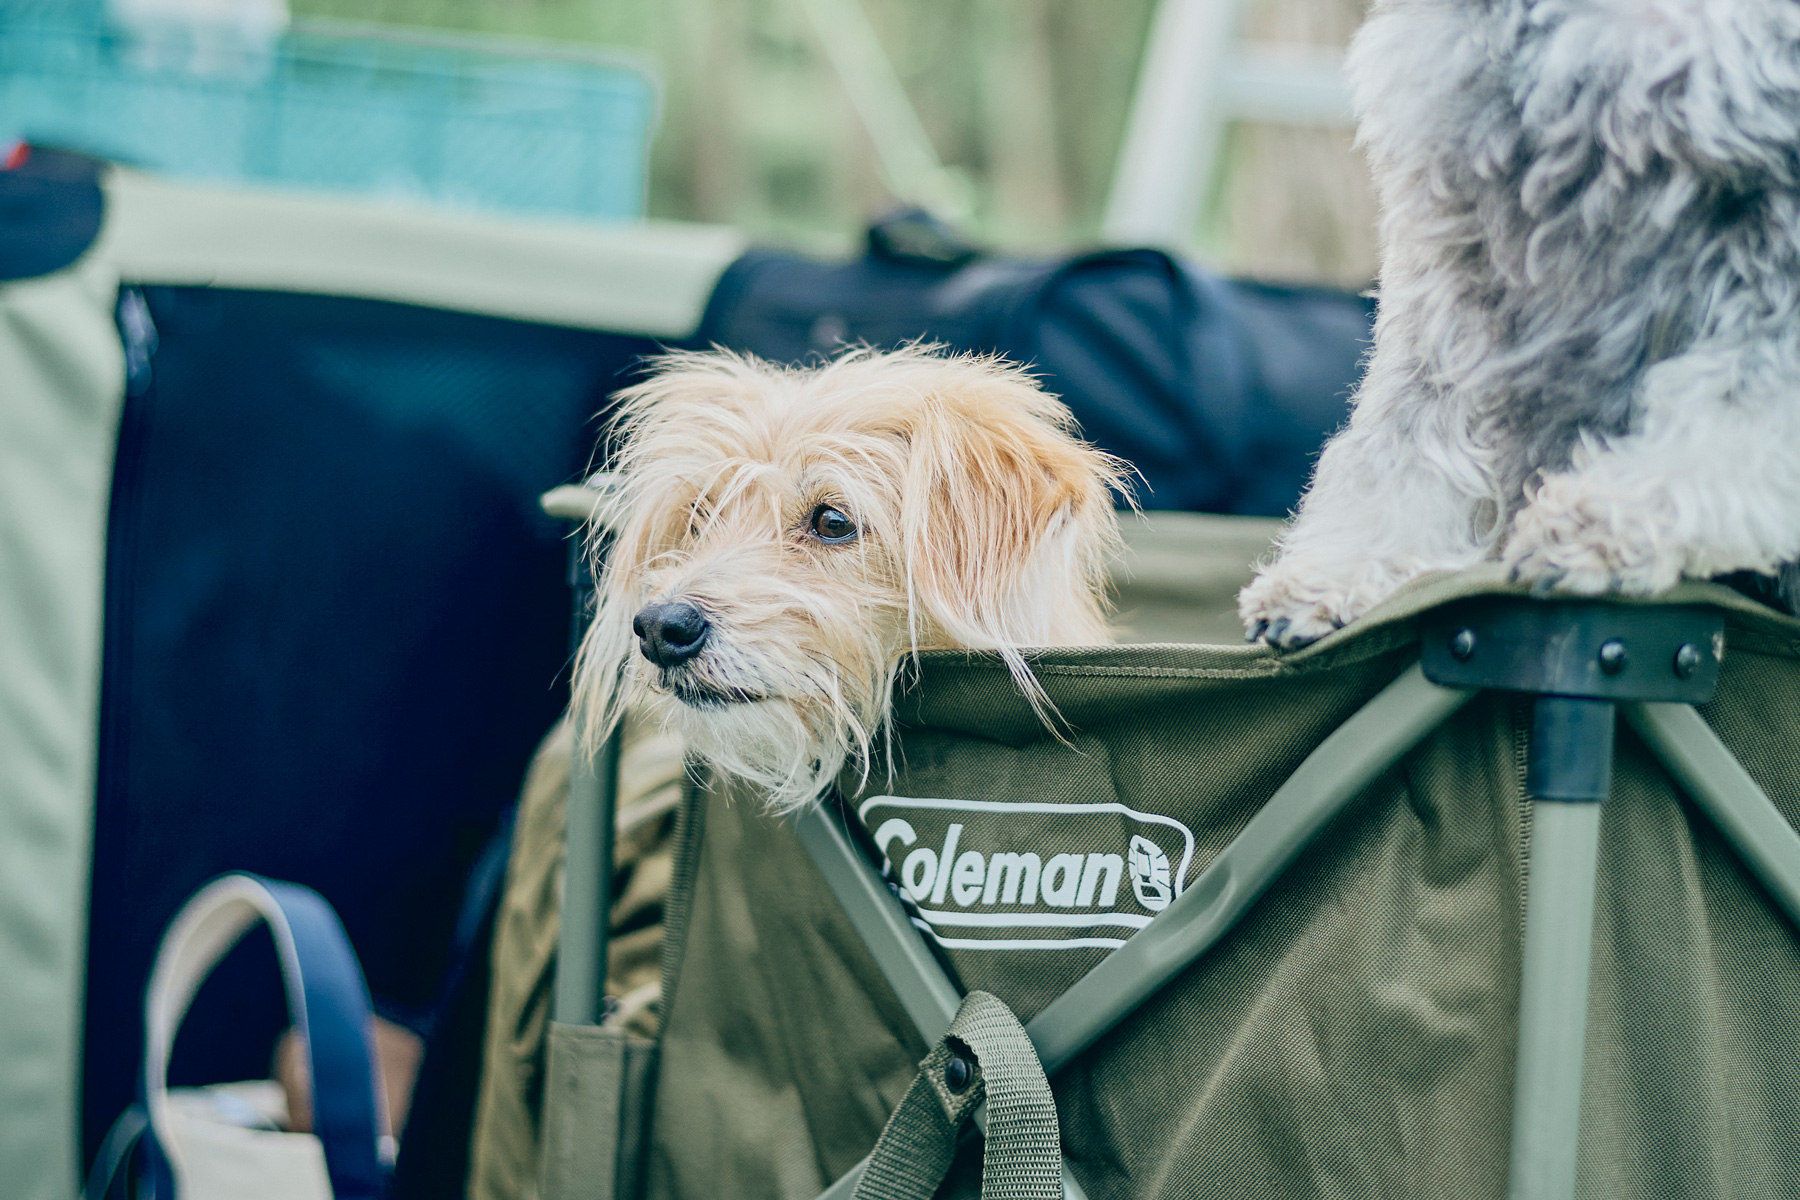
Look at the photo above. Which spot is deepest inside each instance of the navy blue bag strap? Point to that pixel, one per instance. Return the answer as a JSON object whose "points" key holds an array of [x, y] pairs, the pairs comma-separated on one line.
{"points": [[328, 1003], [335, 1019], [106, 1177]]}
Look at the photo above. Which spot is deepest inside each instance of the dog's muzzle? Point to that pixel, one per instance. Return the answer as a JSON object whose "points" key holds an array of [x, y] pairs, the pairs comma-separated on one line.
{"points": [[670, 634]]}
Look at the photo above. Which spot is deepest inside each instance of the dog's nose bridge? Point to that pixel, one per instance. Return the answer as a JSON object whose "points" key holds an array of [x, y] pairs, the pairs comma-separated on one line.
{"points": [[719, 576]]}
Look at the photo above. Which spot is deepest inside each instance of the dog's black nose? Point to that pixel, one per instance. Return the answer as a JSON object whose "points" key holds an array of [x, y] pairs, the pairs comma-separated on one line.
{"points": [[670, 634]]}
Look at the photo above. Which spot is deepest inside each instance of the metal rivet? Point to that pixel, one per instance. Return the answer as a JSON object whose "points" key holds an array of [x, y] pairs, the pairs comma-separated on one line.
{"points": [[1687, 660], [1612, 656], [1462, 645], [958, 1074]]}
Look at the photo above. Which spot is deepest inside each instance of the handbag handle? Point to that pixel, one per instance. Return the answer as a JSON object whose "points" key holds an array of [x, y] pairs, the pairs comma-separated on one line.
{"points": [[328, 1003]]}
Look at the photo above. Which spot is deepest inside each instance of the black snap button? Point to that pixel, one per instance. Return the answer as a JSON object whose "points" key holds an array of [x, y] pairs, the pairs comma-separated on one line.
{"points": [[958, 1074], [1687, 660], [1462, 645], [1612, 656]]}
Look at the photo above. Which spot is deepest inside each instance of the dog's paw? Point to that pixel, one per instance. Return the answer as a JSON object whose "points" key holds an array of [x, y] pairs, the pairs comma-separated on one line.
{"points": [[1577, 540], [1290, 605]]}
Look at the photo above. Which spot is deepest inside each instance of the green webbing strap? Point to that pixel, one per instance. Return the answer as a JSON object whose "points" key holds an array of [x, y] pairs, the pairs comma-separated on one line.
{"points": [[985, 1055]]}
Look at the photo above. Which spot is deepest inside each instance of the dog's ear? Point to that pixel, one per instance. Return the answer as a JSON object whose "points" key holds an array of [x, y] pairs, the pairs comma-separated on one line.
{"points": [[1007, 521]]}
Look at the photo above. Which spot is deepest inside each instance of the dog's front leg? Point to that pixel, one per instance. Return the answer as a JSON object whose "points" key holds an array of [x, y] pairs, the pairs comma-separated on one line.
{"points": [[1707, 482], [1396, 494]]}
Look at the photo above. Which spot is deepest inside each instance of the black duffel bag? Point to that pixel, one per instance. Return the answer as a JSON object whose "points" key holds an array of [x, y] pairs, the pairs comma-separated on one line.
{"points": [[1219, 391]]}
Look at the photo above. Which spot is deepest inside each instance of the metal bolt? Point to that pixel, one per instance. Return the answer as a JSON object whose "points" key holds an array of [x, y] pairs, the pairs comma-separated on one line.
{"points": [[1462, 645], [1687, 660], [1612, 656], [958, 1074]]}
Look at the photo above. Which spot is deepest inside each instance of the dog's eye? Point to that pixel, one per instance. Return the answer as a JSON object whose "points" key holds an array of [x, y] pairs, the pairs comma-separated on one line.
{"points": [[831, 525]]}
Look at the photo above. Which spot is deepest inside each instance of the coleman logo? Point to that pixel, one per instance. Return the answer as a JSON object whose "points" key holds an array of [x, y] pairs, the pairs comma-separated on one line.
{"points": [[1005, 875], [1150, 873]]}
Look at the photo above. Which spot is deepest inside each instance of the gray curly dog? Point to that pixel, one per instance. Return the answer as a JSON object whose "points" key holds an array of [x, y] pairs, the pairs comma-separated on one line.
{"points": [[1587, 361]]}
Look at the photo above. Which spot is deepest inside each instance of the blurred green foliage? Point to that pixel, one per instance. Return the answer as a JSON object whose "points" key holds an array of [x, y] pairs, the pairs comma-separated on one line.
{"points": [[1024, 100]]}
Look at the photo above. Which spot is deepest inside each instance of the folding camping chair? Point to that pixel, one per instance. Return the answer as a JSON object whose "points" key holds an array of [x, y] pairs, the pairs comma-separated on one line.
{"points": [[1580, 664]]}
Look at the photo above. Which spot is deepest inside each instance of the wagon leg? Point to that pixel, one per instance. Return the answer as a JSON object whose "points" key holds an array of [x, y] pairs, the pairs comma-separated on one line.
{"points": [[1568, 774]]}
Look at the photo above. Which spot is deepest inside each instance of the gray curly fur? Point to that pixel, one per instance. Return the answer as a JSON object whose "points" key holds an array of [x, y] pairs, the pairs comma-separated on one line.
{"points": [[1588, 354]]}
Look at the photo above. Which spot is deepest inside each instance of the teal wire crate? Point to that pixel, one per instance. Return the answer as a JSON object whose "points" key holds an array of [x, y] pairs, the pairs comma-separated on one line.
{"points": [[454, 122]]}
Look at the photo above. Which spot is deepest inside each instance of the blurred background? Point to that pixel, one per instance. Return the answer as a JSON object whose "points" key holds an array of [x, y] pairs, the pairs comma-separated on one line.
{"points": [[799, 120], [1024, 103]]}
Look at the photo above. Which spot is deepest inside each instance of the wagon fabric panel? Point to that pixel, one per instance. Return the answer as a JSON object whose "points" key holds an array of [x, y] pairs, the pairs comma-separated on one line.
{"points": [[1353, 1035]]}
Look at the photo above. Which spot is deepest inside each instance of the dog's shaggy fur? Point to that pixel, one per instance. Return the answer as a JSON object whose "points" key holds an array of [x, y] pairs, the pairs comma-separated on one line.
{"points": [[1587, 360], [980, 522]]}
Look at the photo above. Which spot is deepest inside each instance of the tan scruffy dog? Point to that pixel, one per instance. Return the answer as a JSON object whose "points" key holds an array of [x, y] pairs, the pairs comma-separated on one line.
{"points": [[785, 538]]}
